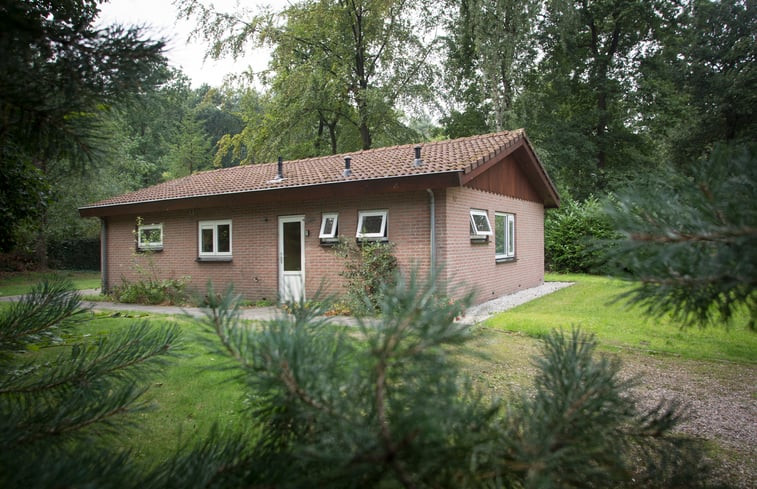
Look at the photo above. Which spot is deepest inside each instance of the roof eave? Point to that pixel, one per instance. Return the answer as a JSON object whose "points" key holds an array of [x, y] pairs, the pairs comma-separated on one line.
{"points": [[294, 193]]}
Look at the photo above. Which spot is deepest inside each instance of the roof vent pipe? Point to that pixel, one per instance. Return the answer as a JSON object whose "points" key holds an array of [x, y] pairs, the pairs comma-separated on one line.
{"points": [[280, 169], [347, 171], [418, 161]]}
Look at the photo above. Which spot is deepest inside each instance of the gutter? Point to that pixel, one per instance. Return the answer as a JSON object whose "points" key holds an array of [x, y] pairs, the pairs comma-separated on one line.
{"points": [[432, 227], [103, 255]]}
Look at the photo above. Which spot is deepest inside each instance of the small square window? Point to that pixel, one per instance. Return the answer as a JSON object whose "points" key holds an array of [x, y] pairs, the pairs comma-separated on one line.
{"points": [[215, 238], [329, 226], [371, 225], [504, 236], [150, 237], [480, 227]]}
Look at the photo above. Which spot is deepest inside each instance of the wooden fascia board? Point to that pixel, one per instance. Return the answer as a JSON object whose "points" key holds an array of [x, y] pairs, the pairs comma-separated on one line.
{"points": [[303, 193]]}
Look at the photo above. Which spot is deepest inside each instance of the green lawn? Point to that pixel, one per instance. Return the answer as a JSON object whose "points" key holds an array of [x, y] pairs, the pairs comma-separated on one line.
{"points": [[21, 283], [185, 399], [195, 392], [589, 304]]}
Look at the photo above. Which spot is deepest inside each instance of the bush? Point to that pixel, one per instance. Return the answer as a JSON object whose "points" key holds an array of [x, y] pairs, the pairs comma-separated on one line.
{"points": [[74, 254], [368, 268], [574, 236], [152, 291]]}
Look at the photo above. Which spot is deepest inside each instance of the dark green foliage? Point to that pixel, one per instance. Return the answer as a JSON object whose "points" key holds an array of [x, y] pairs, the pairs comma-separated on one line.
{"points": [[22, 194], [61, 410], [698, 88], [74, 254], [689, 240], [574, 234], [59, 74], [368, 267]]}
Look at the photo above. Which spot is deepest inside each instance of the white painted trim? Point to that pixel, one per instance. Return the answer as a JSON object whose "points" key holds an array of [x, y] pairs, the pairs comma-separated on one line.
{"points": [[214, 226], [362, 215]]}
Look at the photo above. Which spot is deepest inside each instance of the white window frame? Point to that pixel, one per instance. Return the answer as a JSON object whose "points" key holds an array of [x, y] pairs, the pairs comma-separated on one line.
{"points": [[361, 215], [508, 236], [151, 245], [480, 233], [332, 235], [214, 226]]}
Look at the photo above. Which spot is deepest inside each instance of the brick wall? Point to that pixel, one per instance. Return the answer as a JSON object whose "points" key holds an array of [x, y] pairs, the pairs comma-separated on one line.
{"points": [[254, 267], [471, 265]]}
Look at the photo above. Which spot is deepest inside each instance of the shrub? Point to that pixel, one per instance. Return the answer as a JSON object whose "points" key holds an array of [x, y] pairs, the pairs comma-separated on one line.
{"points": [[574, 236], [368, 268], [74, 254], [152, 291]]}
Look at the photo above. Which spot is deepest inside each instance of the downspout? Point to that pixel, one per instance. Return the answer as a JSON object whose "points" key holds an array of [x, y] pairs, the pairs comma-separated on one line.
{"points": [[432, 212], [103, 255]]}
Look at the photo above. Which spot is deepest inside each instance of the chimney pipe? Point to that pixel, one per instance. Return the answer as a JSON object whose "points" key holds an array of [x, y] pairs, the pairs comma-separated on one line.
{"points": [[418, 161], [280, 171], [347, 171]]}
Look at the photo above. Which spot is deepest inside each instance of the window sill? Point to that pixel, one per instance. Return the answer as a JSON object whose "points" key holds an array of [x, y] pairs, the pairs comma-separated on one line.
{"points": [[148, 249], [326, 242], [505, 260], [479, 239], [213, 258], [371, 240]]}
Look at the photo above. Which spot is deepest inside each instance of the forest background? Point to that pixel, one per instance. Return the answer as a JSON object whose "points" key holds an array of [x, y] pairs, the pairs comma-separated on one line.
{"points": [[612, 93]]}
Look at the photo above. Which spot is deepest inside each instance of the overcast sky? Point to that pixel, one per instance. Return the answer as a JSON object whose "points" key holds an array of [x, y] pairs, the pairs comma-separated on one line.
{"points": [[160, 16]]}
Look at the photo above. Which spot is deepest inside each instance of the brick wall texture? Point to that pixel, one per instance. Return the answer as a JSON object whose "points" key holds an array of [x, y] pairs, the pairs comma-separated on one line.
{"points": [[254, 266]]}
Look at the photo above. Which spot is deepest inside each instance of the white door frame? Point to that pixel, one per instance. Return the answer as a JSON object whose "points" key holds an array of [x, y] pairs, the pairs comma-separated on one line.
{"points": [[291, 283]]}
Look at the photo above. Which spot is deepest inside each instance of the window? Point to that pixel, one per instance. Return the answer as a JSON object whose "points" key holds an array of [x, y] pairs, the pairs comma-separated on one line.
{"points": [[215, 238], [504, 236], [371, 225], [150, 237], [480, 228], [329, 226]]}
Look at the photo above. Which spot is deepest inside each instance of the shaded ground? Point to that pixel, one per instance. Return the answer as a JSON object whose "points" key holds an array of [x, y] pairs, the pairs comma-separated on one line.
{"points": [[721, 398]]}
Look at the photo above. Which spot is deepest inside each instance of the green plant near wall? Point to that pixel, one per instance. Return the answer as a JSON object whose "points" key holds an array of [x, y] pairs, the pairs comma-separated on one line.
{"points": [[368, 268], [150, 288]]}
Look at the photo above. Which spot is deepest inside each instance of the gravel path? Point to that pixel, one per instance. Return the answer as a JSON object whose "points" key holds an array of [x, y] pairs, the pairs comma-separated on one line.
{"points": [[478, 313], [720, 401]]}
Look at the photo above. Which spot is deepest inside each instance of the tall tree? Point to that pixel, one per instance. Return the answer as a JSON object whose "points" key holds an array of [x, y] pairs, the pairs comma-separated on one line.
{"points": [[369, 54], [58, 74], [582, 100], [699, 86], [490, 45]]}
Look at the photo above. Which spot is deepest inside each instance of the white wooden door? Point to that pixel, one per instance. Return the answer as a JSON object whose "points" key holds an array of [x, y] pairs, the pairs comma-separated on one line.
{"points": [[291, 258]]}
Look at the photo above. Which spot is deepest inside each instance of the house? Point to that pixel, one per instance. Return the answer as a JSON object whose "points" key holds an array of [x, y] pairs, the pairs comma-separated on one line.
{"points": [[474, 206]]}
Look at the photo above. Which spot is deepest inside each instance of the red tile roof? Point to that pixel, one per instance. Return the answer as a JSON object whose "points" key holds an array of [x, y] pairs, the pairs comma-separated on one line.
{"points": [[458, 155]]}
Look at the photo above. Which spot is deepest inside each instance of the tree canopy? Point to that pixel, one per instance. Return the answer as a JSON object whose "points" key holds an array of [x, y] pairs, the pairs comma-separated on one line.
{"points": [[58, 75]]}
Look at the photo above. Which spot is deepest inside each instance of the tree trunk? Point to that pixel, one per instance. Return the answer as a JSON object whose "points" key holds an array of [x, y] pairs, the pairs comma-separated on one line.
{"points": [[40, 246]]}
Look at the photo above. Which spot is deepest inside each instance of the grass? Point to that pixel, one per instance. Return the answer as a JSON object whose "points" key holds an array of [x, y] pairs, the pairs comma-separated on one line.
{"points": [[194, 394], [590, 304], [20, 283]]}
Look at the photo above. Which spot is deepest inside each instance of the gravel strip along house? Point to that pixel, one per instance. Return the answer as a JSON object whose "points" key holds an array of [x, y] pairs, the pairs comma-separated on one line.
{"points": [[474, 206]]}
